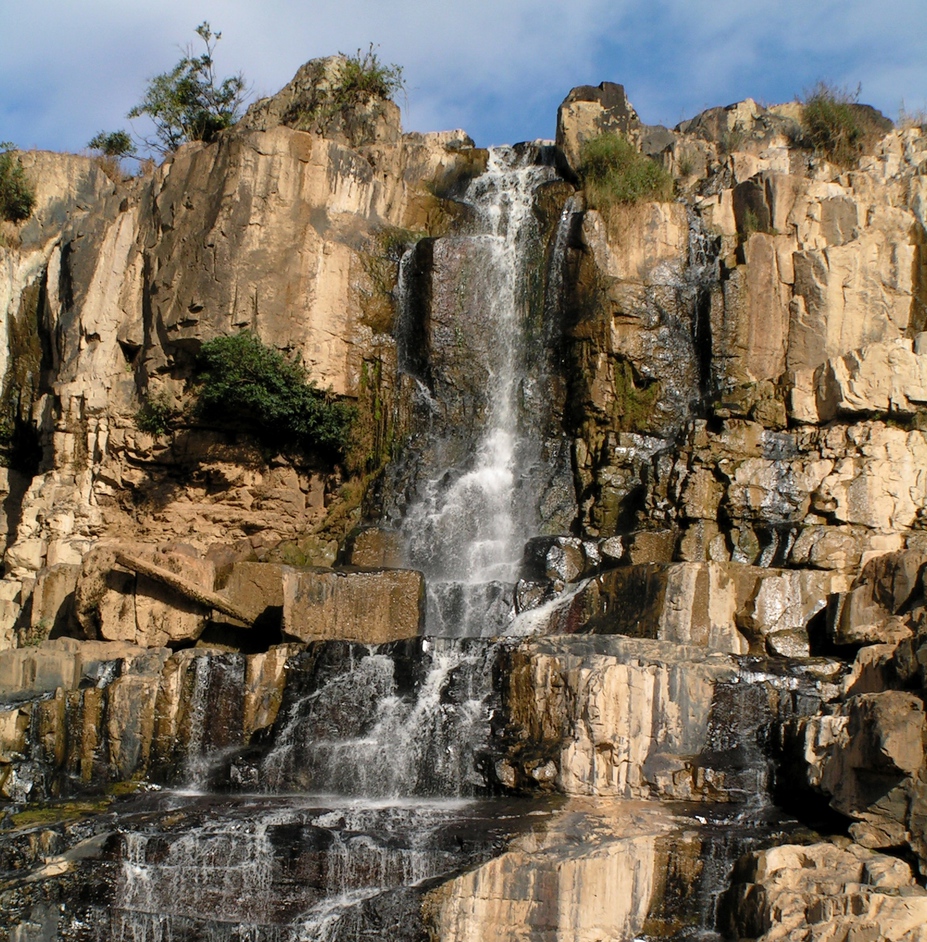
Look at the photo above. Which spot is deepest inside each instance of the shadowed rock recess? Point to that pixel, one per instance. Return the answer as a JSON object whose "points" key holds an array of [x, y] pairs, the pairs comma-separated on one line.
{"points": [[607, 623]]}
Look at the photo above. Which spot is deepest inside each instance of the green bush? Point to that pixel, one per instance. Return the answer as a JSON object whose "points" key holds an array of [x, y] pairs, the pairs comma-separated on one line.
{"points": [[156, 415], [246, 383], [615, 171], [17, 197], [113, 144], [834, 125]]}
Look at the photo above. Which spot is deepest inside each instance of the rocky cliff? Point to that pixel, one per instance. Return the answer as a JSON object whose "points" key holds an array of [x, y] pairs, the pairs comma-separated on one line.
{"points": [[722, 600]]}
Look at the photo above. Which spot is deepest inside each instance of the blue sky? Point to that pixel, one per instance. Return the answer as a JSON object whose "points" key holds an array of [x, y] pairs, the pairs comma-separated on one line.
{"points": [[497, 68]]}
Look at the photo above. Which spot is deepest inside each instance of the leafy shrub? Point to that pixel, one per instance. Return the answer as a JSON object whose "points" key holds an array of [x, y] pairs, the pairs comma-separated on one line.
{"points": [[834, 125], [155, 416], [245, 382], [113, 144], [17, 197], [189, 103], [615, 171]]}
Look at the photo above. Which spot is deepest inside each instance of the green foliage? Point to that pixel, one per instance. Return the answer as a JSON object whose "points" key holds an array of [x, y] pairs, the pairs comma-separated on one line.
{"points": [[113, 144], [17, 197], [19, 442], [834, 125], [189, 103], [635, 401], [156, 416], [615, 171], [364, 76], [246, 382]]}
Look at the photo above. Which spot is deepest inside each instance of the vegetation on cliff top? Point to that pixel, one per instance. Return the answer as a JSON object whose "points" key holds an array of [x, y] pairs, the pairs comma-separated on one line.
{"points": [[835, 125], [244, 382], [17, 197], [615, 171], [188, 103], [363, 77]]}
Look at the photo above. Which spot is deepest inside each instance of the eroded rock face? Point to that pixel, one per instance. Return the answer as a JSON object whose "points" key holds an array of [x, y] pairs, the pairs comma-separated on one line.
{"points": [[633, 718], [119, 712], [271, 229], [831, 892], [542, 888], [741, 373]]}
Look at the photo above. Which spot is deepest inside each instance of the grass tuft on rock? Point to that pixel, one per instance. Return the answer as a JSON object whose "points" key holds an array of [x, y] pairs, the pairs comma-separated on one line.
{"points": [[614, 171], [835, 126]]}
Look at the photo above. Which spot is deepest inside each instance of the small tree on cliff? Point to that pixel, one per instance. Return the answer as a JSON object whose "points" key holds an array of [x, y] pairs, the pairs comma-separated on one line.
{"points": [[189, 103], [17, 196]]}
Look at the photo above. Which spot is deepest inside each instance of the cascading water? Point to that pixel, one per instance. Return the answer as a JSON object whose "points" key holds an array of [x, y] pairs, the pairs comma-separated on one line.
{"points": [[476, 500], [367, 792], [476, 503]]}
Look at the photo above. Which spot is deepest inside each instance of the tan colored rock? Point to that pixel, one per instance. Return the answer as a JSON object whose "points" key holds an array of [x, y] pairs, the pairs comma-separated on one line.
{"points": [[590, 111], [162, 615], [872, 671], [590, 873], [651, 546], [183, 255], [65, 662], [724, 607], [752, 326], [265, 678], [781, 604], [881, 377], [642, 243], [371, 607], [255, 587], [826, 892], [622, 717], [117, 605], [376, 548], [824, 547], [53, 597], [843, 302], [868, 757]]}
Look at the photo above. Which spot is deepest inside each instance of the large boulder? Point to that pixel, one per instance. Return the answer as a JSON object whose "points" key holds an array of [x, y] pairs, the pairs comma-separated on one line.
{"points": [[315, 100], [824, 891], [114, 603], [369, 606]]}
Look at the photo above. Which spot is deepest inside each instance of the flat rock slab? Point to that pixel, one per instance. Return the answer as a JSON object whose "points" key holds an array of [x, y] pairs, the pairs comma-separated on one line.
{"points": [[368, 606], [65, 662]]}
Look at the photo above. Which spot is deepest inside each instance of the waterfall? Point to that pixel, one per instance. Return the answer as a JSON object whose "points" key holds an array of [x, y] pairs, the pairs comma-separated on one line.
{"points": [[366, 730], [476, 501], [284, 869]]}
